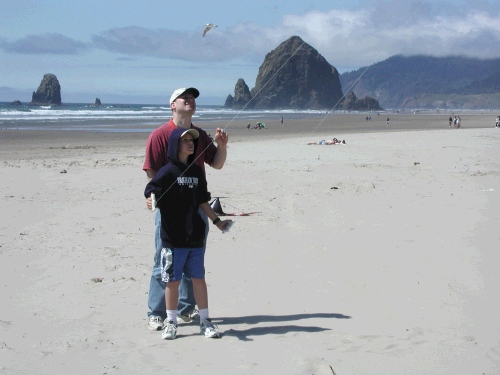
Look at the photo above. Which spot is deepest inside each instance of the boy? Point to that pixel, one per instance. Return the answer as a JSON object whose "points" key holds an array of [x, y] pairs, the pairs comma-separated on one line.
{"points": [[181, 188]]}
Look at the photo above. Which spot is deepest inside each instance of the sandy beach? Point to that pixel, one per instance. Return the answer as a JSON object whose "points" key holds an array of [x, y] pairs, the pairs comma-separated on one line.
{"points": [[374, 257]]}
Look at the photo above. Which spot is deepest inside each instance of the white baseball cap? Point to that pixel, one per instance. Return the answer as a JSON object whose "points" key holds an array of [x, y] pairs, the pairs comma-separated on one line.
{"points": [[193, 132], [183, 90]]}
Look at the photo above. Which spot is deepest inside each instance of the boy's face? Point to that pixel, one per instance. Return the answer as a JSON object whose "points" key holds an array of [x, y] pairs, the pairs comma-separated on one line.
{"points": [[186, 145]]}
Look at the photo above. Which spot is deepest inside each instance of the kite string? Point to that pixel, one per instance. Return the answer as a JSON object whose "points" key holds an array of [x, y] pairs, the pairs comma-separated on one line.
{"points": [[269, 80], [237, 114], [265, 84], [364, 71]]}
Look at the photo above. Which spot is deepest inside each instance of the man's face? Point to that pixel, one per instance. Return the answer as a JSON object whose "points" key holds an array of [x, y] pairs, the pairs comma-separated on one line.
{"points": [[186, 145], [184, 103]]}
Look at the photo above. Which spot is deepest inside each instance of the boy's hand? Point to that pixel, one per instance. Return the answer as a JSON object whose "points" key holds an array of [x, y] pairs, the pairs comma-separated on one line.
{"points": [[149, 204], [224, 225]]}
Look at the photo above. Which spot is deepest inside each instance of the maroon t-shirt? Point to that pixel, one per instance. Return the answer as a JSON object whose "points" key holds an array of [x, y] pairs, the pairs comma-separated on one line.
{"points": [[157, 147]]}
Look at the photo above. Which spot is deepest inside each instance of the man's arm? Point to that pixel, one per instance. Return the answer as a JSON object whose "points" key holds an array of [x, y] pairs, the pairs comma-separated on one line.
{"points": [[221, 138], [150, 173]]}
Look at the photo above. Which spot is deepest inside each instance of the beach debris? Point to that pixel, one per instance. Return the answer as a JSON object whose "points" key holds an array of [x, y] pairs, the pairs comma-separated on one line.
{"points": [[334, 188], [64, 171], [416, 163], [208, 26], [97, 279], [86, 147], [331, 368]]}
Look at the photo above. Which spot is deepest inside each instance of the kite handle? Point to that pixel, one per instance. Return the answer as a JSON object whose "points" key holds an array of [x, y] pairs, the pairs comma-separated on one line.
{"points": [[228, 226], [153, 202]]}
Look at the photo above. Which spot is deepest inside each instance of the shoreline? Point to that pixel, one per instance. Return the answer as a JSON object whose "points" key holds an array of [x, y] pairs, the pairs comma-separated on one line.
{"points": [[317, 128]]}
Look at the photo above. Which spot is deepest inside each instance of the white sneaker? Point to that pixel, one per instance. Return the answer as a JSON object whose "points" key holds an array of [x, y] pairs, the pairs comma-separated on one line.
{"points": [[209, 329], [155, 323], [194, 316], [170, 331]]}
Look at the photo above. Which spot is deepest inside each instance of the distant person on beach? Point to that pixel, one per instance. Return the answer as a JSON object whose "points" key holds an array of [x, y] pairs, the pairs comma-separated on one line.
{"points": [[334, 141], [249, 126], [387, 121], [281, 121], [183, 106], [497, 122], [181, 188], [459, 121], [450, 120]]}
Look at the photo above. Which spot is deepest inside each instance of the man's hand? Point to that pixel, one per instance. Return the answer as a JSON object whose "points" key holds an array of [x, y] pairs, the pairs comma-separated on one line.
{"points": [[221, 137]]}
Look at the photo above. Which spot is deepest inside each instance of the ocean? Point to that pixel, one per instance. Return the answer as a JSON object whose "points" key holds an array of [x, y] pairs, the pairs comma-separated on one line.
{"points": [[129, 117]]}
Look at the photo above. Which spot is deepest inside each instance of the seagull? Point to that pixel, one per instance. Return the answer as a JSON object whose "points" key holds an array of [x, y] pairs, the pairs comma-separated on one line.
{"points": [[208, 26]]}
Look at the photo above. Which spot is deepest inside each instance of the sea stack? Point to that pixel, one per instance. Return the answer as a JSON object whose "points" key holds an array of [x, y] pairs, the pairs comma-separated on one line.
{"points": [[294, 75], [48, 93], [242, 96]]}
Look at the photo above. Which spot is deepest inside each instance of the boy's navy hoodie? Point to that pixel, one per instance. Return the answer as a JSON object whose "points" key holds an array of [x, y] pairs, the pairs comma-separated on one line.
{"points": [[186, 188]]}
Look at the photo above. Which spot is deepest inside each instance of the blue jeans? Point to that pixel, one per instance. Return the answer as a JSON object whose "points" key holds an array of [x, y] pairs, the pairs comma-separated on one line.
{"points": [[156, 296]]}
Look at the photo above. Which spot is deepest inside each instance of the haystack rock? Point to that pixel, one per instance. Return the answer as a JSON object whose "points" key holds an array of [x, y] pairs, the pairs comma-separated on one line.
{"points": [[48, 93], [97, 102], [295, 75]]}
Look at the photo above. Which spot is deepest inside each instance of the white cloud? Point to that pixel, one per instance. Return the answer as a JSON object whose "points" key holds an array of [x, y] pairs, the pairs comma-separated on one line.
{"points": [[346, 38], [357, 38]]}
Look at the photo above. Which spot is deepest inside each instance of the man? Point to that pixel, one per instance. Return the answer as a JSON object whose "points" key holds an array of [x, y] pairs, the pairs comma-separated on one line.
{"points": [[183, 106]]}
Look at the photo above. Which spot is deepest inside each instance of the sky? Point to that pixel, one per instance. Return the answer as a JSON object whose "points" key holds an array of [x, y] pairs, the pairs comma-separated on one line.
{"points": [[129, 51]]}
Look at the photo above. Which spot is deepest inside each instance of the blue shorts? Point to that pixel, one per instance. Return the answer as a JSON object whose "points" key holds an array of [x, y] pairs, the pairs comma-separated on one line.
{"points": [[189, 261], [323, 142]]}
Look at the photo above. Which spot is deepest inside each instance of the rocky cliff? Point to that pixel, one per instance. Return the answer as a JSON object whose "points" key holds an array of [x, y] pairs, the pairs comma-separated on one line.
{"points": [[294, 75], [242, 96], [420, 81], [48, 93], [352, 103]]}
